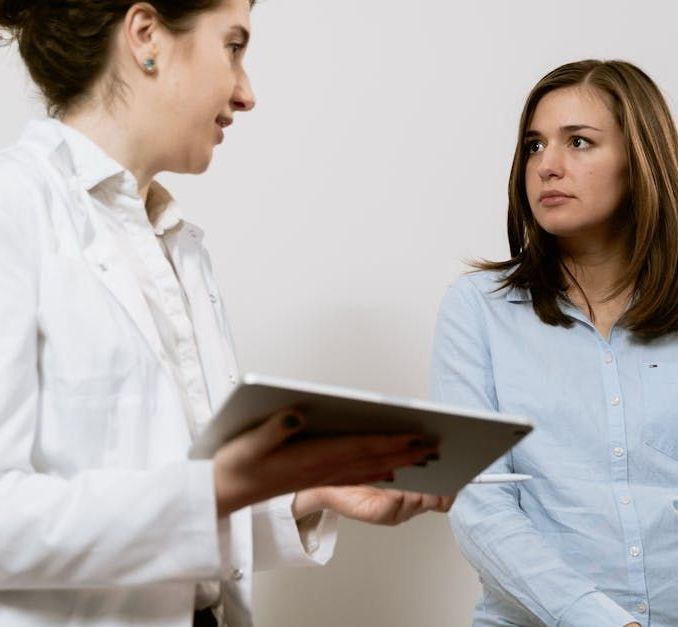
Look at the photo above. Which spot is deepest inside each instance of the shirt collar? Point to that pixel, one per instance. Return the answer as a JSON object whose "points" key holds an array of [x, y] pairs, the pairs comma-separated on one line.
{"points": [[163, 211], [93, 166], [518, 295]]}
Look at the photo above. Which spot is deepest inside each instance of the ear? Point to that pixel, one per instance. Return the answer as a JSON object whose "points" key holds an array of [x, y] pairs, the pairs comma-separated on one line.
{"points": [[141, 32]]}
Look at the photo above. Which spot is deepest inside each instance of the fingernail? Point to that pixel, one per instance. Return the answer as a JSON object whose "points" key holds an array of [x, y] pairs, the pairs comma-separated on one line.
{"points": [[291, 421], [433, 457]]}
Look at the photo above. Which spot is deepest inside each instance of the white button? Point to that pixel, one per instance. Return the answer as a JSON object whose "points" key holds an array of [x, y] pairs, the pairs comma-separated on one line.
{"points": [[237, 574], [618, 451], [634, 551], [213, 298], [103, 267], [193, 234], [625, 500], [609, 358], [641, 608], [615, 401]]}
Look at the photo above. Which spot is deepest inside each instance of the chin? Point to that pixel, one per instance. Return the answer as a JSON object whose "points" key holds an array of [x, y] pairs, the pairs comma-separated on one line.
{"points": [[569, 230], [201, 167], [561, 223], [197, 164]]}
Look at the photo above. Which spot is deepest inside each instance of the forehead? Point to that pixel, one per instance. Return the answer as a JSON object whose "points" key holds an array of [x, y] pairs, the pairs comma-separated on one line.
{"points": [[572, 106], [228, 14]]}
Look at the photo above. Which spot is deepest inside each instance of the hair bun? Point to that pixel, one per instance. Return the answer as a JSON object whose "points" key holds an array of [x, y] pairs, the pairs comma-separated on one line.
{"points": [[13, 13]]}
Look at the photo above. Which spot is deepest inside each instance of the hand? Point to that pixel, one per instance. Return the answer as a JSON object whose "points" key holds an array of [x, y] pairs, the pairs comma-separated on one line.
{"points": [[368, 504], [266, 461]]}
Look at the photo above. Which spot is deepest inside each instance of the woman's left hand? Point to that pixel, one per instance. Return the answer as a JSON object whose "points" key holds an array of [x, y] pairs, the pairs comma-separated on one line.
{"points": [[368, 504]]}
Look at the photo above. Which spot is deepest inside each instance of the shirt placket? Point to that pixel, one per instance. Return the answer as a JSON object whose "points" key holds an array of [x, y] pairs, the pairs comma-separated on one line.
{"points": [[186, 363], [617, 451]]}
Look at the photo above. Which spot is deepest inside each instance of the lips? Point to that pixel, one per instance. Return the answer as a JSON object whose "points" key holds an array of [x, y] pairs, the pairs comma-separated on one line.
{"points": [[554, 193], [223, 121]]}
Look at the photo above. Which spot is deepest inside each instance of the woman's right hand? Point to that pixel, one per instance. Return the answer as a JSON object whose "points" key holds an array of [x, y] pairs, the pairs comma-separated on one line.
{"points": [[262, 463]]}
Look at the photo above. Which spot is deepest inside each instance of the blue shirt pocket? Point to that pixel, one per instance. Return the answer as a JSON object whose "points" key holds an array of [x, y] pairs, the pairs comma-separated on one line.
{"points": [[660, 387]]}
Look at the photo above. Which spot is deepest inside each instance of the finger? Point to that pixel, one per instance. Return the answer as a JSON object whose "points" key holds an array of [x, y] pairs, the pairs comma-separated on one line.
{"points": [[444, 504], [272, 433], [358, 479], [414, 504], [333, 461], [429, 502], [366, 480], [352, 449], [434, 503], [384, 463]]}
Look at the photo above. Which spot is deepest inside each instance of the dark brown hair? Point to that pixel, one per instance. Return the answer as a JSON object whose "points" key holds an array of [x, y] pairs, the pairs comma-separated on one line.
{"points": [[66, 43], [650, 211]]}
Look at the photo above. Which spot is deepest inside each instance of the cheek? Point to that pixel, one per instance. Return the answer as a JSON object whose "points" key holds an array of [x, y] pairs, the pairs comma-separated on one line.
{"points": [[533, 184], [531, 178], [604, 189], [201, 94]]}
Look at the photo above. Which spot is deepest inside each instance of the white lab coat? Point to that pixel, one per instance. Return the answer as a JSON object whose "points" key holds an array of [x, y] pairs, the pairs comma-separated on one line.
{"points": [[103, 520]]}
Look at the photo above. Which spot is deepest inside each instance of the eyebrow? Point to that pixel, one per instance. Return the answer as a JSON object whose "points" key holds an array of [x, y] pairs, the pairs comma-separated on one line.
{"points": [[242, 31], [570, 128]]}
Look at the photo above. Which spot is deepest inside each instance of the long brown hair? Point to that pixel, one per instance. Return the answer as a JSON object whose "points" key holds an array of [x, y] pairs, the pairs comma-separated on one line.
{"points": [[66, 44], [651, 207]]}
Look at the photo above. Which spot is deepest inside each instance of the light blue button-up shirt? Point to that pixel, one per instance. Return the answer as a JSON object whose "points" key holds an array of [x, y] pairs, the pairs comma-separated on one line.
{"points": [[592, 539]]}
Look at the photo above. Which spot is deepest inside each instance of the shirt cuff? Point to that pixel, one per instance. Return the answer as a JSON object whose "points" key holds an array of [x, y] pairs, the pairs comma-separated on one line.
{"points": [[595, 608], [318, 533], [278, 539]]}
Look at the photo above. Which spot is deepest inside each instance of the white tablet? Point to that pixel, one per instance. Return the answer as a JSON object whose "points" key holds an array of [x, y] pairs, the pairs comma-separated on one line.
{"points": [[469, 440]]}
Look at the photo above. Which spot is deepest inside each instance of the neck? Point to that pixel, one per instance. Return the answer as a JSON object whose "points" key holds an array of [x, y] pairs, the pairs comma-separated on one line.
{"points": [[598, 265], [116, 136]]}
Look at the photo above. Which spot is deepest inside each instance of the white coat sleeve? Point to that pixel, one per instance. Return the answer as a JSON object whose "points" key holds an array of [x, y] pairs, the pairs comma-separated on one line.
{"points": [[279, 542], [101, 528]]}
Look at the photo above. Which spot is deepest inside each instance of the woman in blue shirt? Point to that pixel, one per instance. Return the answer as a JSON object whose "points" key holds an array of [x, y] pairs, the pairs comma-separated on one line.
{"points": [[577, 331]]}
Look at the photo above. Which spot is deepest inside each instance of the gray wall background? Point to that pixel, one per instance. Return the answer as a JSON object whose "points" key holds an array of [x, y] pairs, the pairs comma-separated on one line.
{"points": [[338, 211]]}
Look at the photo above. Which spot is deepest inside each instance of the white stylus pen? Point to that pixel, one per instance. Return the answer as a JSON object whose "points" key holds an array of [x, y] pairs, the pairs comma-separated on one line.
{"points": [[500, 478]]}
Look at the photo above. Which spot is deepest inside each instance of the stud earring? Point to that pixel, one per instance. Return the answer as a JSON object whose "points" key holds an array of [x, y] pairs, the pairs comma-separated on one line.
{"points": [[150, 64]]}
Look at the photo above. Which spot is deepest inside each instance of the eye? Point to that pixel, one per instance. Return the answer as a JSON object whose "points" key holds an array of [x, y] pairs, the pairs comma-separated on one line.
{"points": [[580, 143], [235, 47], [535, 146]]}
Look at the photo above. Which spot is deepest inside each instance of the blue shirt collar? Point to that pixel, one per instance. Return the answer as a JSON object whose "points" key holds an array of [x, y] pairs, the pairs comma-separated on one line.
{"points": [[518, 295]]}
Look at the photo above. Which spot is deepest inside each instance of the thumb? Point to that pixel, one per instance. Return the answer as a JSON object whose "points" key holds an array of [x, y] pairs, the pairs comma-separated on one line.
{"points": [[274, 432]]}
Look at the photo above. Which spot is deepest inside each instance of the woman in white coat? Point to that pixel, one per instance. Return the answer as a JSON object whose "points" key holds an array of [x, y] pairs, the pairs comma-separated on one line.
{"points": [[114, 350]]}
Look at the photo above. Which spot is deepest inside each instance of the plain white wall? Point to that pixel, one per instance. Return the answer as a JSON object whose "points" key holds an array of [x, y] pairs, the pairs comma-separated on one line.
{"points": [[338, 211]]}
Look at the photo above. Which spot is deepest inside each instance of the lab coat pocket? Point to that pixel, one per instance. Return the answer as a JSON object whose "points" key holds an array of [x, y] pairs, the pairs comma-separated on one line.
{"points": [[660, 388], [86, 334], [79, 421]]}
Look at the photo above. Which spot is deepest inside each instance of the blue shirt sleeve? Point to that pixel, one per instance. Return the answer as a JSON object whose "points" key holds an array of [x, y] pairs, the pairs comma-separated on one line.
{"points": [[494, 534]]}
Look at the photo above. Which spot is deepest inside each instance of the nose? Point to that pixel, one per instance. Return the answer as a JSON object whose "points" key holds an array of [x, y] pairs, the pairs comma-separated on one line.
{"points": [[550, 164], [243, 98]]}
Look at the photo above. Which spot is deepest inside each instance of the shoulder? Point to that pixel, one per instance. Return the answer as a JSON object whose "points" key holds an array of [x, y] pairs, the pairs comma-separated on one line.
{"points": [[478, 287], [22, 179], [25, 199], [31, 168]]}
